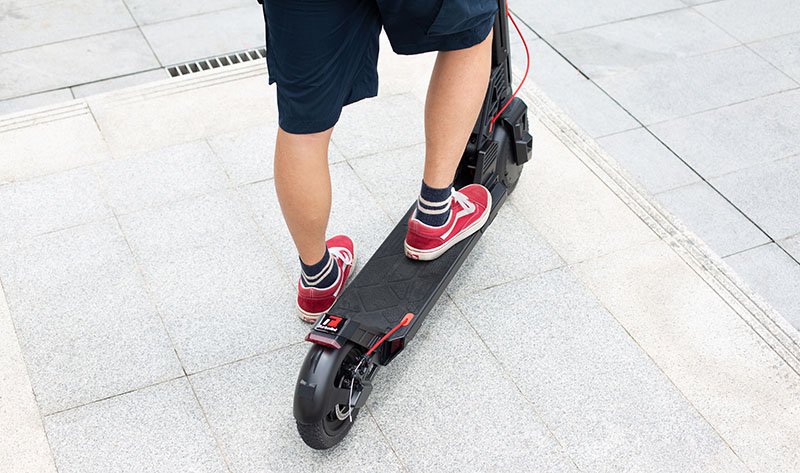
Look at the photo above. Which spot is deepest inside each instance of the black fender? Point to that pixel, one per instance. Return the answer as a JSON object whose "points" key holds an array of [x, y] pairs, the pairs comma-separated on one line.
{"points": [[315, 394]]}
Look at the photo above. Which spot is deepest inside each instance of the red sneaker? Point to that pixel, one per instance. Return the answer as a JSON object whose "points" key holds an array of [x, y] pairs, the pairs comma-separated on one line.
{"points": [[313, 302], [470, 208]]}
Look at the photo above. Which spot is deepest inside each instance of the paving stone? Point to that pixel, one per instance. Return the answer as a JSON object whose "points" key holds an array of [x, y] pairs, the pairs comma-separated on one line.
{"points": [[24, 154], [215, 281], [554, 16], [578, 225], [608, 404], [50, 203], [61, 20], [768, 194], [723, 368], [774, 275], [33, 101], [751, 20], [667, 90], [249, 406], [782, 52], [508, 250], [380, 124], [584, 102], [792, 246], [393, 71], [728, 139], [651, 163], [718, 223], [184, 110], [121, 82], [248, 155], [199, 36], [161, 176], [617, 47], [393, 177], [159, 428], [84, 321], [354, 212], [73, 62], [24, 448], [154, 11], [446, 404]]}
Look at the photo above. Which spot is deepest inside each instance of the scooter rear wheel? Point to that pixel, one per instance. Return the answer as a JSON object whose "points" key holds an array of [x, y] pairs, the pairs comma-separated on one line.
{"points": [[336, 424]]}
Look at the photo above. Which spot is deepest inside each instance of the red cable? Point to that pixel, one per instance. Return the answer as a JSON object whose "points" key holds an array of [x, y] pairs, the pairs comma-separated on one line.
{"points": [[527, 68], [406, 320]]}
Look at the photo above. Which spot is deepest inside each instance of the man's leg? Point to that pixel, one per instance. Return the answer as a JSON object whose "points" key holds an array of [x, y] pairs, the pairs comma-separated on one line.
{"points": [[455, 95], [303, 185]]}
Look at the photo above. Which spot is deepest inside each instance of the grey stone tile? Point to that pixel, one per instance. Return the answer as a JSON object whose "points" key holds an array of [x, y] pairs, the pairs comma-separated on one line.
{"points": [[768, 194], [119, 83], [446, 404], [33, 101], [161, 176], [774, 275], [380, 124], [85, 324], [578, 225], [718, 223], [154, 11], [74, 62], [248, 155], [24, 448], [393, 177], [249, 406], [219, 288], [509, 249], [199, 36], [50, 203], [605, 400], [751, 20], [617, 47], [783, 52], [61, 20], [730, 138], [659, 92], [73, 140], [354, 212], [159, 428], [651, 163], [711, 354], [555, 16], [185, 109], [792, 246], [584, 102]]}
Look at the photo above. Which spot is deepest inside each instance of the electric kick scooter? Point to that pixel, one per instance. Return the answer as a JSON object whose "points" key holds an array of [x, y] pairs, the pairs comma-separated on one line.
{"points": [[384, 306]]}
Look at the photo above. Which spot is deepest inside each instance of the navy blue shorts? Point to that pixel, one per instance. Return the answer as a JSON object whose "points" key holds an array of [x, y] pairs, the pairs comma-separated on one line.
{"points": [[323, 54]]}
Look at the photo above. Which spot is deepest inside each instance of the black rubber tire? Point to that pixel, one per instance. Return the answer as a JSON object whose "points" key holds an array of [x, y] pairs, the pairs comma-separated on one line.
{"points": [[317, 436], [329, 431]]}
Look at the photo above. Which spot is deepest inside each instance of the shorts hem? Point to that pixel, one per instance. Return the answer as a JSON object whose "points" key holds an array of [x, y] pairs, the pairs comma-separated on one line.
{"points": [[307, 127], [463, 40]]}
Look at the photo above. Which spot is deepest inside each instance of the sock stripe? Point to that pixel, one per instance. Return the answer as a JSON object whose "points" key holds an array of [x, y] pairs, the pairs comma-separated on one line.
{"points": [[433, 204], [432, 211]]}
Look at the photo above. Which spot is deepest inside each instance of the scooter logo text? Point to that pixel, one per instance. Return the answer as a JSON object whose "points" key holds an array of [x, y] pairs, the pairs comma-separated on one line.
{"points": [[330, 324]]}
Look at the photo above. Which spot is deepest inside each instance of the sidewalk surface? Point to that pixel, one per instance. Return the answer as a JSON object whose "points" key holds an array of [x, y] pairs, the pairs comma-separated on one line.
{"points": [[147, 321], [697, 99]]}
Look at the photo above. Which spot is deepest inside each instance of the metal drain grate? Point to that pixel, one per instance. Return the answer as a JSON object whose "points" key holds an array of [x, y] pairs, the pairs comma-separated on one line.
{"points": [[216, 62]]}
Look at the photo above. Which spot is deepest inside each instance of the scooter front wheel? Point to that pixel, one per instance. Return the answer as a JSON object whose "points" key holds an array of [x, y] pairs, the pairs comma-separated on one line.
{"points": [[321, 402]]}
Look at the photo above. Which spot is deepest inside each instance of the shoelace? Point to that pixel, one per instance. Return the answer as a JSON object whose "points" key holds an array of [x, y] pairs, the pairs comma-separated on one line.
{"points": [[467, 208], [343, 254]]}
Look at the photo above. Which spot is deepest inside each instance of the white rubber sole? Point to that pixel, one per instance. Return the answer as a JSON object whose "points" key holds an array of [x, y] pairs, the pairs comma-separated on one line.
{"points": [[433, 253], [311, 317]]}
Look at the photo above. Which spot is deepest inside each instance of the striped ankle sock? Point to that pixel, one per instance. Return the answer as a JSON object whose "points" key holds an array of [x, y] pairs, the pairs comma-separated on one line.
{"points": [[433, 205], [320, 275]]}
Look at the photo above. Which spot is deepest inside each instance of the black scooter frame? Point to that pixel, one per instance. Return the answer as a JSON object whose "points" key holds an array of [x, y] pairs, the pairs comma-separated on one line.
{"points": [[391, 285]]}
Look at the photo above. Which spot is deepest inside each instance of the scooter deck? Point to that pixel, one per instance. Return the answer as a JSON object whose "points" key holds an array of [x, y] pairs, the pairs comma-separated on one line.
{"points": [[390, 285]]}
